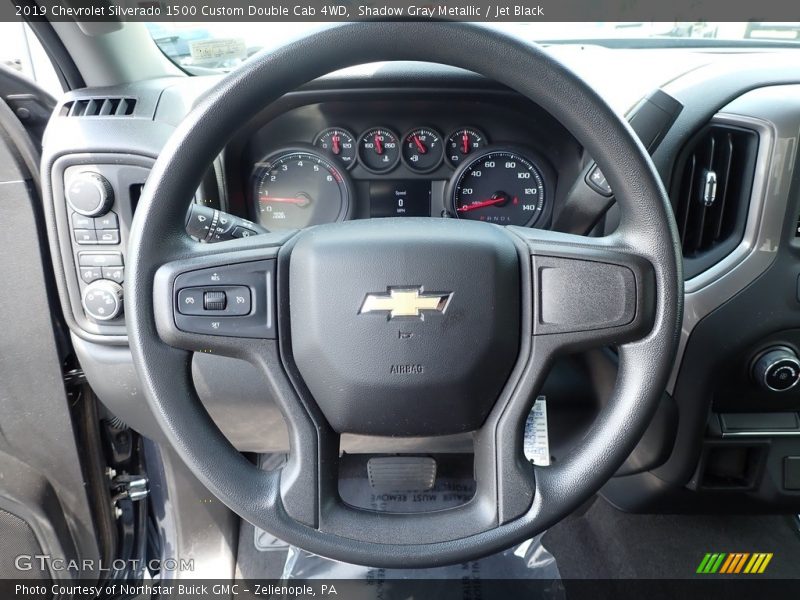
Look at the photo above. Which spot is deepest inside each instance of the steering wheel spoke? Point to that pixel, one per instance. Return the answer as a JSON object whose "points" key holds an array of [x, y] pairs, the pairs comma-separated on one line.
{"points": [[588, 292]]}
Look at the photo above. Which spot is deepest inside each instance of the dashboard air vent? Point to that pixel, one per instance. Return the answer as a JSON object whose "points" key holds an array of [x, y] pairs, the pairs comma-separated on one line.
{"points": [[99, 107], [711, 193]]}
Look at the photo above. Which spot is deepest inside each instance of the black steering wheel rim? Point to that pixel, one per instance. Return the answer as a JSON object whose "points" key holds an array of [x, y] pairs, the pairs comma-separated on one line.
{"points": [[647, 229]]}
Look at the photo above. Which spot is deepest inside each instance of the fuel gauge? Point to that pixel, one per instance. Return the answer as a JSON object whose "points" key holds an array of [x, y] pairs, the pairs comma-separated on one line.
{"points": [[422, 149]]}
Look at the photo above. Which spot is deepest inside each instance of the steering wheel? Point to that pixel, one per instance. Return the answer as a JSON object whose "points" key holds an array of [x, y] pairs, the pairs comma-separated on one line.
{"points": [[320, 312]]}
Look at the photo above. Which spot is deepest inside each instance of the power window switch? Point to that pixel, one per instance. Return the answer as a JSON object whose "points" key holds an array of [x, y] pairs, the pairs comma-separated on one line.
{"points": [[90, 274], [86, 236], [216, 300]]}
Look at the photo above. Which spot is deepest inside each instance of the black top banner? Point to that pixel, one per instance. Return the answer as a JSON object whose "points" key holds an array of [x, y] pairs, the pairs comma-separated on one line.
{"points": [[360, 10]]}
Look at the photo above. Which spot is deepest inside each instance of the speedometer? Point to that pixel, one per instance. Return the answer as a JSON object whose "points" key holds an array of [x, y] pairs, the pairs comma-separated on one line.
{"points": [[498, 186], [299, 188]]}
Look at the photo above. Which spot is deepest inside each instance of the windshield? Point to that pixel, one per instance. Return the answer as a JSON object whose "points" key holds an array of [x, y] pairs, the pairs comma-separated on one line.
{"points": [[222, 46]]}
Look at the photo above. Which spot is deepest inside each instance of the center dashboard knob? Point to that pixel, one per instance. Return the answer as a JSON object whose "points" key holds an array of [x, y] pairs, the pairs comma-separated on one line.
{"points": [[777, 369], [90, 194], [102, 300]]}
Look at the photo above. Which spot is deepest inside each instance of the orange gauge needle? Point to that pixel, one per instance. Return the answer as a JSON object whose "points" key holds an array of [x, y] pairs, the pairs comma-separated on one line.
{"points": [[481, 204]]}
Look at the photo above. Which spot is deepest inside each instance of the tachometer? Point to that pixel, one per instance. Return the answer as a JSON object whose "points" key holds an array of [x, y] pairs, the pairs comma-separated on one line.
{"points": [[498, 186], [295, 188]]}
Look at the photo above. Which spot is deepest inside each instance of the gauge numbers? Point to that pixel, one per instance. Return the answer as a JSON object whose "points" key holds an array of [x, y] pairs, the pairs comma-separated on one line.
{"points": [[498, 186], [298, 188], [378, 150], [339, 143]]}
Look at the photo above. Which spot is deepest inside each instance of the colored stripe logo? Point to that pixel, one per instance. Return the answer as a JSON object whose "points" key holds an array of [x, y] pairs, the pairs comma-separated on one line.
{"points": [[734, 563]]}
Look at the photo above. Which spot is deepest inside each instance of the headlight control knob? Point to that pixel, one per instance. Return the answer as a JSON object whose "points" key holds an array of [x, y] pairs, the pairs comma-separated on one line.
{"points": [[102, 300], [777, 369], [90, 194]]}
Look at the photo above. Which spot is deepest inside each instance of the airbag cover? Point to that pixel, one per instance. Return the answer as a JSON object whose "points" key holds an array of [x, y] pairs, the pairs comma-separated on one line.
{"points": [[404, 326]]}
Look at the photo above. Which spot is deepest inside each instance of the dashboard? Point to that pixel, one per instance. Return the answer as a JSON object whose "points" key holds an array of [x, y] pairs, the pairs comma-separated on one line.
{"points": [[397, 155], [414, 140]]}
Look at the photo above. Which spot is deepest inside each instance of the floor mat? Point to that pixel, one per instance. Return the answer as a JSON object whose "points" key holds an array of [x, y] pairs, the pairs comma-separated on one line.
{"points": [[606, 543], [601, 543]]}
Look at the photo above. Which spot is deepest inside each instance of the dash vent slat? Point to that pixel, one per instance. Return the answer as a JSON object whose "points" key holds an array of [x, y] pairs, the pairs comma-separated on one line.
{"points": [[711, 193], [99, 107]]}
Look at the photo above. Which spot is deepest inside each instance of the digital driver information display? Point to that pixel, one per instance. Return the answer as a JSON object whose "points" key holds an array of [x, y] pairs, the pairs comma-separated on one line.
{"points": [[400, 198]]}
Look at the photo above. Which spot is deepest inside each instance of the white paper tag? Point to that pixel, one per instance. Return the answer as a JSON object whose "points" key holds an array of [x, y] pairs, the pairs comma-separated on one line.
{"points": [[217, 49], [536, 444]]}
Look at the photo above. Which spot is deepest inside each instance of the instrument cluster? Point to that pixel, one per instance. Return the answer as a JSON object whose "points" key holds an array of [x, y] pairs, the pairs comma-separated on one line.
{"points": [[308, 184]]}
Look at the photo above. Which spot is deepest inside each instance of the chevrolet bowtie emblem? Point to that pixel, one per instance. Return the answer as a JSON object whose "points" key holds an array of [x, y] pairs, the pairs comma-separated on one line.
{"points": [[406, 302]]}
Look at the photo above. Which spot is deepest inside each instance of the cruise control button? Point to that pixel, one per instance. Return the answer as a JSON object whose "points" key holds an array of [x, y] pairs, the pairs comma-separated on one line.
{"points": [[250, 300], [108, 236], [90, 274], [190, 301], [100, 259], [86, 236], [214, 300], [108, 221], [82, 222], [238, 301], [114, 273]]}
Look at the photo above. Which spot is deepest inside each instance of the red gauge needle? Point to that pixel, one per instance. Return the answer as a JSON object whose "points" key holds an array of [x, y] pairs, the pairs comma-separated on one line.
{"points": [[481, 204], [336, 145], [298, 201], [378, 145], [465, 142], [420, 146]]}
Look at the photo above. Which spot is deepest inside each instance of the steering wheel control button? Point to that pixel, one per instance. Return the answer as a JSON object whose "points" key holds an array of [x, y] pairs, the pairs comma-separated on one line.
{"points": [[90, 194], [777, 369], [100, 259], [234, 300], [211, 225], [225, 301], [114, 273], [108, 221], [90, 274], [238, 301], [214, 301], [597, 181], [86, 236], [190, 301], [242, 232], [102, 300]]}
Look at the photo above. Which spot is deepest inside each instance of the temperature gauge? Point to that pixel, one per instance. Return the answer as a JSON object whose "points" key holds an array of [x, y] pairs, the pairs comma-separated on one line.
{"points": [[338, 142], [463, 142], [422, 149], [378, 150]]}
